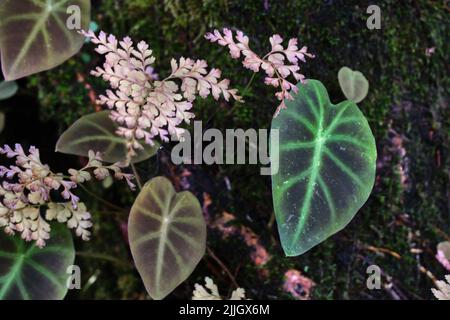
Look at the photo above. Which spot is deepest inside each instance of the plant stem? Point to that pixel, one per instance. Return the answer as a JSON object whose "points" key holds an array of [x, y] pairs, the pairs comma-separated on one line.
{"points": [[116, 213], [102, 256], [224, 267], [136, 175], [248, 84], [111, 205], [244, 92]]}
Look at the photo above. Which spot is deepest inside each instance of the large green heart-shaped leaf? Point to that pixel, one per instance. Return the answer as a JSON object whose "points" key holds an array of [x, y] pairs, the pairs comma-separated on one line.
{"points": [[97, 132], [326, 164], [30, 273], [353, 84], [37, 35], [167, 234], [7, 89]]}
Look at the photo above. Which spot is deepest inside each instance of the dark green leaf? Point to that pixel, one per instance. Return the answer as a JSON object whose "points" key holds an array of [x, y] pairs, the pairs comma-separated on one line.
{"points": [[30, 273], [327, 158]]}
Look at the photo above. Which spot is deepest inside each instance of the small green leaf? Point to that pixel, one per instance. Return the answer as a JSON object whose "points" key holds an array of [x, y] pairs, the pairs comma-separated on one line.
{"points": [[327, 158], [30, 273], [107, 182], [353, 84], [167, 234], [35, 34], [8, 89], [97, 132]]}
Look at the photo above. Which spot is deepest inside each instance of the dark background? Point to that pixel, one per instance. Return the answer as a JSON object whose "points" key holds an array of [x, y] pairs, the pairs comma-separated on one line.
{"points": [[407, 214]]}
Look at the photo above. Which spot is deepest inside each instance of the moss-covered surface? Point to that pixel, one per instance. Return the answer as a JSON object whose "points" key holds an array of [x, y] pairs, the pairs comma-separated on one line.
{"points": [[408, 211]]}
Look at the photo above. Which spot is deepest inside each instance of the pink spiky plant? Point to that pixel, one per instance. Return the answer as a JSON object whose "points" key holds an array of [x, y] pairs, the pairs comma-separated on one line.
{"points": [[278, 64], [28, 185], [146, 108]]}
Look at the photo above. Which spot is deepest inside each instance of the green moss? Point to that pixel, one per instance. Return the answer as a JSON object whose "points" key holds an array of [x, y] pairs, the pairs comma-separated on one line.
{"points": [[393, 60]]}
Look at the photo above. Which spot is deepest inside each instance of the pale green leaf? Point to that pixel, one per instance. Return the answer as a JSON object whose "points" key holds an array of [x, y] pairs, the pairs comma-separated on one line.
{"points": [[34, 34], [8, 89], [353, 84], [167, 235], [97, 132]]}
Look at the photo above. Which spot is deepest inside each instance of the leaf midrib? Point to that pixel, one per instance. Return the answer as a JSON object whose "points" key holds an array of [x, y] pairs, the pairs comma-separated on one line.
{"points": [[29, 40], [315, 163], [162, 241], [38, 27], [321, 140], [12, 275]]}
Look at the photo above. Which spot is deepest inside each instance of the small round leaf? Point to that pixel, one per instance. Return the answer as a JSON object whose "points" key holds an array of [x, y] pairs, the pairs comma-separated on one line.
{"points": [[353, 84], [167, 234], [7, 89]]}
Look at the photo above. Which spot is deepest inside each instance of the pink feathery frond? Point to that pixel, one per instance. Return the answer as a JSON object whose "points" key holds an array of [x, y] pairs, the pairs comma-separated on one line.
{"points": [[279, 64], [147, 108], [29, 185]]}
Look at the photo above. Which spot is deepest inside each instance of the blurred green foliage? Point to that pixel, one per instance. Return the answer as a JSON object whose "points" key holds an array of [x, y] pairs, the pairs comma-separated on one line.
{"points": [[407, 98]]}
